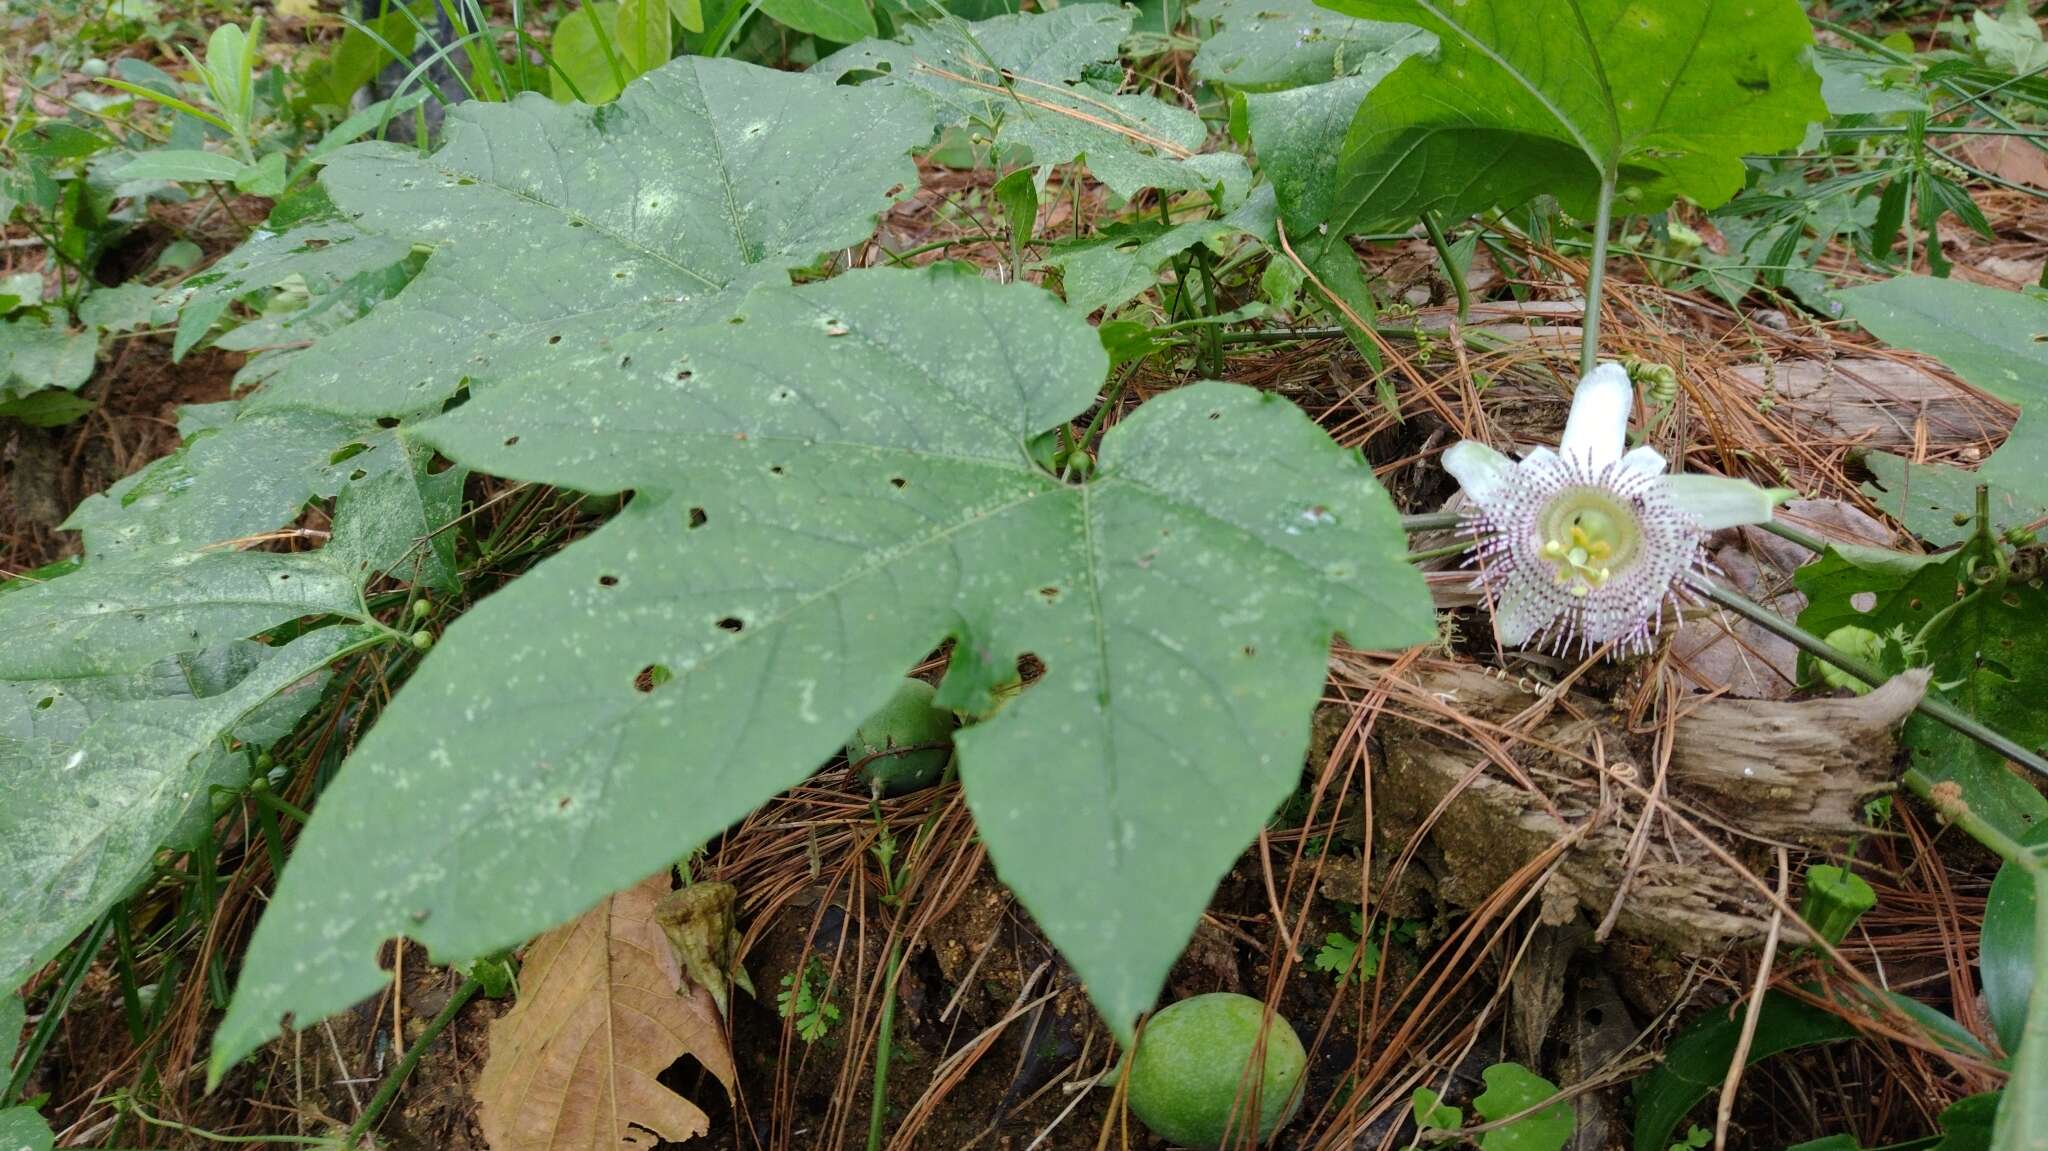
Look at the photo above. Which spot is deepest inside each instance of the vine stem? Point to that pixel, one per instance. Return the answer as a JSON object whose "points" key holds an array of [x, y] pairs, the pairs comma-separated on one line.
{"points": [[1431, 521], [388, 1090], [2019, 1114], [1932, 708], [1596, 275], [878, 1107], [1442, 244]]}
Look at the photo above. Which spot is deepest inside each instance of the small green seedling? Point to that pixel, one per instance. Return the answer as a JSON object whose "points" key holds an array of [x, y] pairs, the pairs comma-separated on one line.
{"points": [[1512, 1089], [1339, 951], [803, 1001], [1696, 1137], [1187, 1075], [1432, 1113]]}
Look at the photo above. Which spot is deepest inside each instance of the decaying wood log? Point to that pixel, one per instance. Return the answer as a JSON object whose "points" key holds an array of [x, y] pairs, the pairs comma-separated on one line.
{"points": [[1797, 771], [1874, 402]]}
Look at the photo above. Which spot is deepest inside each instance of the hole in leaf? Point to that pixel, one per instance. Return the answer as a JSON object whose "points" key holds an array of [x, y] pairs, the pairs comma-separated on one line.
{"points": [[683, 375], [1049, 594], [651, 677], [1864, 601], [732, 624], [774, 469], [607, 581], [464, 182], [898, 482], [688, 1078], [698, 518], [357, 475], [511, 441], [44, 703], [1249, 651], [1215, 415], [554, 340], [349, 451], [625, 361], [387, 421]]}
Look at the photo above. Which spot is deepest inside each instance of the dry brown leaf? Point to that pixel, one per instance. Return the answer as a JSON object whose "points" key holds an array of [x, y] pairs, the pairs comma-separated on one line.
{"points": [[600, 1014]]}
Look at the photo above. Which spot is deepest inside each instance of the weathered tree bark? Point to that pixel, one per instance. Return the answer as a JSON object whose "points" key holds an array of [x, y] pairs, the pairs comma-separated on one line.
{"points": [[1789, 771]]}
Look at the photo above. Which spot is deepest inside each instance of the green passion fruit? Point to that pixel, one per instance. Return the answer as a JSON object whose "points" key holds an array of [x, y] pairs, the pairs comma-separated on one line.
{"points": [[1189, 1070], [908, 720]]}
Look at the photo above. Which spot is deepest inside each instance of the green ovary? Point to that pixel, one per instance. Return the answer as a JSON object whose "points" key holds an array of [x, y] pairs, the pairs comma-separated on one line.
{"points": [[1587, 535]]}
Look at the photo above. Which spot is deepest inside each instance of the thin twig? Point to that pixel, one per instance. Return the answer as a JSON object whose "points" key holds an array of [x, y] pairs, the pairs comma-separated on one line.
{"points": [[1726, 1108]]}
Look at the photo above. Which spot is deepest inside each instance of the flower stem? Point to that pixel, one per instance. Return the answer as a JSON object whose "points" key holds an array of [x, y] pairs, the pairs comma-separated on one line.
{"points": [[1596, 275], [1929, 706]]}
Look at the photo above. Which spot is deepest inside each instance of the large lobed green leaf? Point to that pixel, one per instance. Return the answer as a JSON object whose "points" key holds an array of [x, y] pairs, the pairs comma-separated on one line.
{"points": [[1266, 45], [1019, 79], [1544, 96], [39, 352], [830, 481], [1997, 341], [1988, 648], [98, 770], [554, 230]]}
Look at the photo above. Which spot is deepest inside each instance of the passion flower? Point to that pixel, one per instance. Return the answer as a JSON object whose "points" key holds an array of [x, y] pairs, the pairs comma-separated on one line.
{"points": [[1585, 545]]}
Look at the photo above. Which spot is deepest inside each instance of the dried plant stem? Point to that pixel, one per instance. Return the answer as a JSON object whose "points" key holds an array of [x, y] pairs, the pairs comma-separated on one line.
{"points": [[1725, 1109]]}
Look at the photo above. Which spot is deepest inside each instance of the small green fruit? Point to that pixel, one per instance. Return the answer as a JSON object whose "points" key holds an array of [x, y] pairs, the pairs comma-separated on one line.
{"points": [[1189, 1066], [907, 720]]}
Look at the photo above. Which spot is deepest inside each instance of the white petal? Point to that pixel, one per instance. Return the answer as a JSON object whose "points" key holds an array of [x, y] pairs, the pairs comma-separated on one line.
{"points": [[1597, 429], [1647, 460], [1480, 470], [1715, 502], [1516, 616]]}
